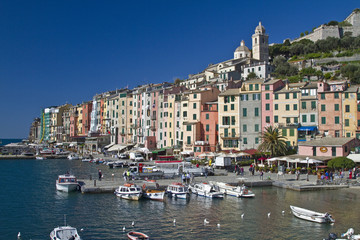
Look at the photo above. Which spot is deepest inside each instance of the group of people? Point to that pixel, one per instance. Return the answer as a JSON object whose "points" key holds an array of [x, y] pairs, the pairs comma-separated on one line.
{"points": [[187, 178], [239, 170]]}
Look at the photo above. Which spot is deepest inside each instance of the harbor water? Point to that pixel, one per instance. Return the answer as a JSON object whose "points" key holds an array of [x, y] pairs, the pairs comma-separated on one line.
{"points": [[31, 205]]}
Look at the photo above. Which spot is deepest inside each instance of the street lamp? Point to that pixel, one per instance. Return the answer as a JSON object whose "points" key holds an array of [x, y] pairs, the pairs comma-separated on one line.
{"points": [[307, 169]]}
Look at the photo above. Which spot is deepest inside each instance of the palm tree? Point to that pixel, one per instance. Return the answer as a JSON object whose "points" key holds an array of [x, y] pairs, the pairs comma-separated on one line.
{"points": [[273, 142]]}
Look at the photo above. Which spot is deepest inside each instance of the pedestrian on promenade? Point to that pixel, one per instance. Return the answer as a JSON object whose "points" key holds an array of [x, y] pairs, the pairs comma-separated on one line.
{"points": [[183, 178], [261, 175], [188, 178], [236, 168], [297, 174], [124, 175], [253, 170], [350, 174], [206, 172], [100, 175]]}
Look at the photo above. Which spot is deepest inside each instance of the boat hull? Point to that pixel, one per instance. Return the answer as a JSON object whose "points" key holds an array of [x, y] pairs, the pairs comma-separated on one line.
{"points": [[66, 187], [137, 235], [129, 196], [154, 195]]}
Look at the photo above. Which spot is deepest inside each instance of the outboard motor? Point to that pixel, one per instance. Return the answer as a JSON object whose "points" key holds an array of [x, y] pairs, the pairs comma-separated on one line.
{"points": [[332, 236]]}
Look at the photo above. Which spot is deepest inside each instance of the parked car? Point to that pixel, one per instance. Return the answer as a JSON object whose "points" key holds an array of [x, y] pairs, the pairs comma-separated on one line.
{"points": [[123, 156], [139, 157]]}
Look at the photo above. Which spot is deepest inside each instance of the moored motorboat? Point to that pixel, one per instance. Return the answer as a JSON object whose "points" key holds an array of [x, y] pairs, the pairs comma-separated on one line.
{"points": [[151, 191], [73, 156], [311, 215], [40, 158], [206, 190], [178, 190], [137, 235], [129, 191], [64, 233], [66, 183], [236, 191]]}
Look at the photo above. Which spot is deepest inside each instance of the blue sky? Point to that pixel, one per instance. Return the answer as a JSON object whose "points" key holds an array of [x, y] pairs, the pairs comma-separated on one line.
{"points": [[56, 52]]}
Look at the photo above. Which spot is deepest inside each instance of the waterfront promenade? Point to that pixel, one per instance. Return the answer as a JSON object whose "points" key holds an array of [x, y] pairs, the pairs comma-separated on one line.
{"points": [[288, 181]]}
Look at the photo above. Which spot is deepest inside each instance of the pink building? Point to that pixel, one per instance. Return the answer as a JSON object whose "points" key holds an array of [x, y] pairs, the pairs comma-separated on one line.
{"points": [[209, 128], [328, 147], [267, 107], [86, 118]]}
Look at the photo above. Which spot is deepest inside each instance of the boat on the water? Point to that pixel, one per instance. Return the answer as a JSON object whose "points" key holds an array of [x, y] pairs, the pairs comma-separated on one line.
{"points": [[206, 190], [73, 156], [40, 158], [236, 191], [129, 191], [64, 233], [137, 236], [151, 191], [178, 190], [349, 235], [66, 183], [311, 215]]}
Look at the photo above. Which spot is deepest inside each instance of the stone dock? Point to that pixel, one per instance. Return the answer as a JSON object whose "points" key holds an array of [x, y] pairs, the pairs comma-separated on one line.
{"points": [[269, 179]]}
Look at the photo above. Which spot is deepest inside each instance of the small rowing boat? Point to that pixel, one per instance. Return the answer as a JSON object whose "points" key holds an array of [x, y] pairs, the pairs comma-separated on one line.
{"points": [[311, 215], [137, 236]]}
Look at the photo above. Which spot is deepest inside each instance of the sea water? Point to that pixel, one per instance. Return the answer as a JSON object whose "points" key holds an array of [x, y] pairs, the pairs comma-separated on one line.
{"points": [[31, 205]]}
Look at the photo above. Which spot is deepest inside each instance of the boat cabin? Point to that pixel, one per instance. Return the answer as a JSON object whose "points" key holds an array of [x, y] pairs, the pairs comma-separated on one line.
{"points": [[67, 179]]}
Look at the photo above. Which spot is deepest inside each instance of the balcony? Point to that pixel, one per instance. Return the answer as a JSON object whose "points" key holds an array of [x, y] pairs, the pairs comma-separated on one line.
{"points": [[153, 128], [230, 136]]}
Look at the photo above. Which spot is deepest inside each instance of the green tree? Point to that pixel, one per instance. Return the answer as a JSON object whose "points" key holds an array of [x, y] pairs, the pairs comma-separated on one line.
{"points": [[352, 72], [306, 32], [340, 163], [177, 81], [308, 72], [272, 142], [301, 34], [251, 75]]}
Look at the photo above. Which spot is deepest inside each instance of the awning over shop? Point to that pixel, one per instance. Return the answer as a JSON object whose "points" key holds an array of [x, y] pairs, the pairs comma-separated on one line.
{"points": [[117, 147], [159, 150], [307, 128]]}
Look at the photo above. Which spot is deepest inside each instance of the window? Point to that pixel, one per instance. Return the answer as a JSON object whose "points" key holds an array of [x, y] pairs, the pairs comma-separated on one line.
{"points": [[194, 116], [244, 128], [256, 140], [336, 107], [207, 116], [287, 107], [347, 108], [336, 95], [188, 140], [295, 107], [347, 123], [303, 105], [323, 120], [284, 132], [226, 120], [256, 112], [232, 120], [346, 95], [233, 98], [207, 127], [245, 140], [276, 119], [292, 132], [304, 118], [358, 108], [296, 120], [337, 120], [184, 114], [267, 119], [276, 96], [337, 133], [232, 106], [294, 95], [194, 105], [322, 95], [195, 95], [256, 127], [225, 108], [256, 87], [287, 95], [312, 118], [250, 87], [313, 104], [267, 106], [288, 120], [267, 96], [226, 132], [244, 112], [323, 107], [267, 87], [276, 107], [188, 128]]}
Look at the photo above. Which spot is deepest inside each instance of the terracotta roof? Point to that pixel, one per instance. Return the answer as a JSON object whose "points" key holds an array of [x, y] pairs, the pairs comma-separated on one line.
{"points": [[327, 141]]}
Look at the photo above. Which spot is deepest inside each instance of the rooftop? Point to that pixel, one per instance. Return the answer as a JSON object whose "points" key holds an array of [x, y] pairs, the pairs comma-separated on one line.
{"points": [[327, 141]]}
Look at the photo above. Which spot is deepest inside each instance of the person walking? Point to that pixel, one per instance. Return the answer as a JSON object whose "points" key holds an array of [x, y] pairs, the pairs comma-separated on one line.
{"points": [[100, 174], [242, 171], [261, 175]]}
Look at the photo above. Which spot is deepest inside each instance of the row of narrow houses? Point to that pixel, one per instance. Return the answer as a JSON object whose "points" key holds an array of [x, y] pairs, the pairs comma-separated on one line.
{"points": [[218, 108]]}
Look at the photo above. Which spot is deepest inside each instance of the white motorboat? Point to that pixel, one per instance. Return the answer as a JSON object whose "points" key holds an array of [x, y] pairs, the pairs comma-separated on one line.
{"points": [[66, 183], [73, 156], [311, 215], [236, 191], [151, 191], [64, 233], [40, 158], [206, 190], [129, 191], [178, 190]]}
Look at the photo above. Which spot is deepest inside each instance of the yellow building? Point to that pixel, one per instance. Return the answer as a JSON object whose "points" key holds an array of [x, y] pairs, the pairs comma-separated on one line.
{"points": [[228, 114], [350, 109], [79, 120]]}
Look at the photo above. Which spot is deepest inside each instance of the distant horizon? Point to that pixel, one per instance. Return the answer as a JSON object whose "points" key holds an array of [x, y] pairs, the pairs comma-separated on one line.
{"points": [[66, 52]]}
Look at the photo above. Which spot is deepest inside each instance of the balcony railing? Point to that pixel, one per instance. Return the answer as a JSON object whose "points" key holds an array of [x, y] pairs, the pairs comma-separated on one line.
{"points": [[232, 136]]}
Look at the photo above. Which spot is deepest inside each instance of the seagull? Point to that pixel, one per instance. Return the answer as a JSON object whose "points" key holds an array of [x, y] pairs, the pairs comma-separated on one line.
{"points": [[81, 230], [242, 215], [19, 235], [124, 229], [269, 214], [283, 212], [174, 221], [133, 223], [218, 225], [206, 221]]}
